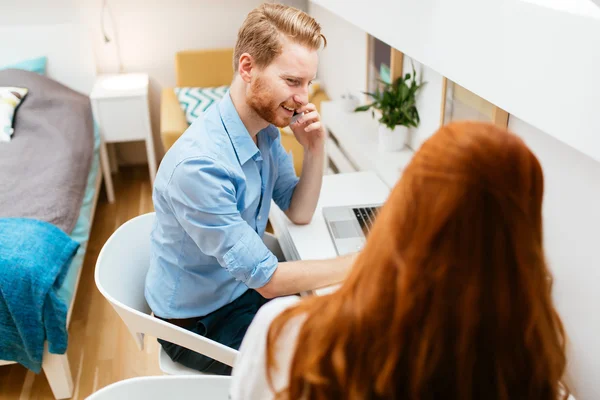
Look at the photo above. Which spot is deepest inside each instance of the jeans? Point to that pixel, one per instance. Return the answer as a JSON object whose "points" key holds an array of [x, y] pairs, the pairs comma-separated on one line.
{"points": [[227, 325]]}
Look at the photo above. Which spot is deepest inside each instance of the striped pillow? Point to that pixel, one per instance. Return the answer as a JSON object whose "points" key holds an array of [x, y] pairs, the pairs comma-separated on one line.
{"points": [[10, 99], [195, 101]]}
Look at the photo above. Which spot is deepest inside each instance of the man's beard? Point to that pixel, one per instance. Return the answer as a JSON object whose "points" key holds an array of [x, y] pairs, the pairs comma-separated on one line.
{"points": [[260, 100]]}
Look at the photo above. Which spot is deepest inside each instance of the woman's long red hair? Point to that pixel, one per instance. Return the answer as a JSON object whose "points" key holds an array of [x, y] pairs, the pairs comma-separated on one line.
{"points": [[451, 296]]}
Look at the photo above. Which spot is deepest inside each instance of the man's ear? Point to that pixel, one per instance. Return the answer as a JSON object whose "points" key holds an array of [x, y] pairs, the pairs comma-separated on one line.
{"points": [[245, 67]]}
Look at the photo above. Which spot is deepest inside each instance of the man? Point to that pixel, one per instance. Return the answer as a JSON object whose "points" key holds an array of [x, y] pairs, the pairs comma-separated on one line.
{"points": [[210, 270]]}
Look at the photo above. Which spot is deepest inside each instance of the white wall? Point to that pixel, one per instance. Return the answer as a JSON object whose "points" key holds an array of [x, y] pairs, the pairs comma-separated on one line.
{"points": [[554, 85], [151, 32], [342, 64], [300, 4], [571, 223], [35, 12], [343, 68]]}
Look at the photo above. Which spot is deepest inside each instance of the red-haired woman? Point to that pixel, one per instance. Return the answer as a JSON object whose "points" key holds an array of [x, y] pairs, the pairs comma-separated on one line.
{"points": [[449, 299]]}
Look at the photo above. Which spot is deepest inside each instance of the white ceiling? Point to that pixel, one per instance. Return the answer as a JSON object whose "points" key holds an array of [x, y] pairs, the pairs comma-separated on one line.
{"points": [[587, 8]]}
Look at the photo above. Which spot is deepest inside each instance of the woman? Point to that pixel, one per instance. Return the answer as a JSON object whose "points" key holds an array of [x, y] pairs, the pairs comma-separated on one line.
{"points": [[449, 299]]}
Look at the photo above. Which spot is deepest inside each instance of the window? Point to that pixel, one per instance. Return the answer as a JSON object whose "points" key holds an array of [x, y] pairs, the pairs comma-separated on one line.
{"points": [[459, 103], [383, 63]]}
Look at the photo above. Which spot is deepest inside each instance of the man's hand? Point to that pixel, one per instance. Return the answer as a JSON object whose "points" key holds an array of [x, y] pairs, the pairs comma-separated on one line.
{"points": [[308, 129]]}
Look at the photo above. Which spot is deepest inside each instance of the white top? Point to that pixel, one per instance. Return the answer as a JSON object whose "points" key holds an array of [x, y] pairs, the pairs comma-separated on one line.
{"points": [[249, 377]]}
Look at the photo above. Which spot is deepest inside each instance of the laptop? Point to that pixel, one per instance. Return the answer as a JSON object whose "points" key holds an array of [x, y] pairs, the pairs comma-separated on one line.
{"points": [[349, 226]]}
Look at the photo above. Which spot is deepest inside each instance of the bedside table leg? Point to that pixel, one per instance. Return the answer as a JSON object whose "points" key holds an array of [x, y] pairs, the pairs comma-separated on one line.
{"points": [[110, 192], [151, 159], [112, 158]]}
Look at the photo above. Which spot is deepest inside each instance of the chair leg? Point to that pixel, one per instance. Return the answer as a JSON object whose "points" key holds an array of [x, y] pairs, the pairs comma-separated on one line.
{"points": [[57, 370]]}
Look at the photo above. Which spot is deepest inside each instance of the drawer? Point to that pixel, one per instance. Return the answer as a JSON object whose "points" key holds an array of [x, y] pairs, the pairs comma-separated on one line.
{"points": [[123, 119], [338, 158]]}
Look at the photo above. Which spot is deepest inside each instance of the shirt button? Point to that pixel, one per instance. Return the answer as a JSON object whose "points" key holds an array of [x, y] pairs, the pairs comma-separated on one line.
{"points": [[259, 218]]}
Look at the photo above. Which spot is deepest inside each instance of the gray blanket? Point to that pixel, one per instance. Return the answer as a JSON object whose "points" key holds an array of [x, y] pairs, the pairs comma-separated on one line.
{"points": [[44, 168]]}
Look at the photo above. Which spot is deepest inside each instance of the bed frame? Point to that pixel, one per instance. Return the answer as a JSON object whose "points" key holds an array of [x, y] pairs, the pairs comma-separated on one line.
{"points": [[70, 62]]}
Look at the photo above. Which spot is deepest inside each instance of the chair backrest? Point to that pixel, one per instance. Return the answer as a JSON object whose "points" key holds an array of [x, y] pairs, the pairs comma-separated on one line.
{"points": [[204, 68], [123, 263], [121, 275], [209, 387]]}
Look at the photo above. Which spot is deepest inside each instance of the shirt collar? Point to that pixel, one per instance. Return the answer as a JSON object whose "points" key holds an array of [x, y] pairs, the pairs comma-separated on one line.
{"points": [[240, 137]]}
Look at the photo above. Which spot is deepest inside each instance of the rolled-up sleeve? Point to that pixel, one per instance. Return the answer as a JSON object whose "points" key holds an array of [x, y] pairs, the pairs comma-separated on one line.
{"points": [[203, 196], [286, 178]]}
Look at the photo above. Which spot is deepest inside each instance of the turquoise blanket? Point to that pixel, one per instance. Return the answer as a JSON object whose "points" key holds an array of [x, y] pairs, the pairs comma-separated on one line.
{"points": [[34, 259]]}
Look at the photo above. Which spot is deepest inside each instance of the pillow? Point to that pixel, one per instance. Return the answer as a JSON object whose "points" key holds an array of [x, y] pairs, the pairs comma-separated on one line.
{"points": [[37, 65], [195, 101], [10, 98]]}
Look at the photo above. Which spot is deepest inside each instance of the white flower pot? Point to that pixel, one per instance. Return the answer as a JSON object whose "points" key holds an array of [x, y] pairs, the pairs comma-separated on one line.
{"points": [[392, 140], [349, 103]]}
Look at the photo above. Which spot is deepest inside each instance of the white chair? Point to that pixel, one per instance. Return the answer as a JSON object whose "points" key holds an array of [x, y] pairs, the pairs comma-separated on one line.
{"points": [[120, 276], [166, 387]]}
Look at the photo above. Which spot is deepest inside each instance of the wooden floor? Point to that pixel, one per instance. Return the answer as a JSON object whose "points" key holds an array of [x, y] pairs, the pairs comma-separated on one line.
{"points": [[101, 350]]}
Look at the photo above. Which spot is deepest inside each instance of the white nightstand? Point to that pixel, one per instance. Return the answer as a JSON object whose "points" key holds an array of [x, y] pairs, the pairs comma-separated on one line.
{"points": [[120, 107]]}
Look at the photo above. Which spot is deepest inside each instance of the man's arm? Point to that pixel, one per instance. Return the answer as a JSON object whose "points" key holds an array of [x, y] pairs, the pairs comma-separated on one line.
{"points": [[306, 195], [299, 276], [211, 218]]}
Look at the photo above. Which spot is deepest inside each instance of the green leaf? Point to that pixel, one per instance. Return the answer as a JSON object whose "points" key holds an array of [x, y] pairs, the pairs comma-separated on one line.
{"points": [[363, 108], [396, 101]]}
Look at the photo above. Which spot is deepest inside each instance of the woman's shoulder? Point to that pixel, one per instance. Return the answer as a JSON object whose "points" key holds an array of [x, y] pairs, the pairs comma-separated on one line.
{"points": [[257, 332], [249, 379], [268, 312]]}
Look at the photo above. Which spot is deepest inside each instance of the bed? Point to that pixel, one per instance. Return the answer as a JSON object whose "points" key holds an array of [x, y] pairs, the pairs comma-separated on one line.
{"points": [[64, 150]]}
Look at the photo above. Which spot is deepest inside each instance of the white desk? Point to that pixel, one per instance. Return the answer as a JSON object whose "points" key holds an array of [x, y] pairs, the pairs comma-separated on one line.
{"points": [[312, 241]]}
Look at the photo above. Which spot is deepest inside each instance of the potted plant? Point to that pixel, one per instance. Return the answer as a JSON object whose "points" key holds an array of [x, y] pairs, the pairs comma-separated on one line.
{"points": [[396, 104]]}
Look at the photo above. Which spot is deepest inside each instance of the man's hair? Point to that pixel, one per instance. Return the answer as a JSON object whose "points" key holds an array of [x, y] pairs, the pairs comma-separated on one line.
{"points": [[260, 34]]}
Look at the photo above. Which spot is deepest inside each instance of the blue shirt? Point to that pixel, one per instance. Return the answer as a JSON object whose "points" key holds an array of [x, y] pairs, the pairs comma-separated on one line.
{"points": [[212, 195]]}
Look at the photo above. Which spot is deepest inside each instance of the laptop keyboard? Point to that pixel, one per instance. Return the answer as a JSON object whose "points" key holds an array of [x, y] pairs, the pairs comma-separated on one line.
{"points": [[366, 217]]}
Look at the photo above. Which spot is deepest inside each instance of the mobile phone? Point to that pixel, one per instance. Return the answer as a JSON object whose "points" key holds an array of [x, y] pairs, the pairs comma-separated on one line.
{"points": [[295, 117]]}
